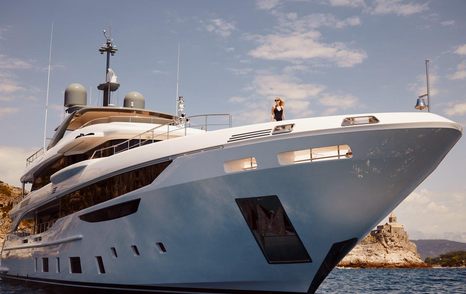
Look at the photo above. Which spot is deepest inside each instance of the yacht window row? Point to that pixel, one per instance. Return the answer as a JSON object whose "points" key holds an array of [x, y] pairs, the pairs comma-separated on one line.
{"points": [[42, 218], [334, 152], [74, 262]]}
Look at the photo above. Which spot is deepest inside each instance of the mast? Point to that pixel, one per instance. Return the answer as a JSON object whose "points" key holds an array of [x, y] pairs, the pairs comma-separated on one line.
{"points": [[110, 84], [48, 87]]}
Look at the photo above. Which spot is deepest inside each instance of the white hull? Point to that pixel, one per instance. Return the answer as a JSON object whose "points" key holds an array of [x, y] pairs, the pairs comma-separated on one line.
{"points": [[192, 210]]}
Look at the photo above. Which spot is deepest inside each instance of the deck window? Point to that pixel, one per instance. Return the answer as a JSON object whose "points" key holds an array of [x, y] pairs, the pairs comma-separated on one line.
{"points": [[75, 265], [315, 154], [359, 120], [243, 164]]}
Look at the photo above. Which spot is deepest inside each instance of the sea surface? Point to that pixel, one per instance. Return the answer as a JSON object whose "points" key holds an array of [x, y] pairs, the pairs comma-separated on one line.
{"points": [[429, 281]]}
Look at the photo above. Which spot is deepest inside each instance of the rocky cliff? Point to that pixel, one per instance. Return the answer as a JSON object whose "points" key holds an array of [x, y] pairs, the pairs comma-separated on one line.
{"points": [[8, 196], [386, 247]]}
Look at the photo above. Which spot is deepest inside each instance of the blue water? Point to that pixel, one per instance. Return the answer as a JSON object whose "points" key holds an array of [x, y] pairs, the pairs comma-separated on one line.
{"points": [[426, 281], [395, 281]]}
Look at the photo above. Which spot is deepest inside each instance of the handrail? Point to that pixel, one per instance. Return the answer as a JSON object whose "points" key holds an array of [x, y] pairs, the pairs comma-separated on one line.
{"points": [[34, 156], [151, 136], [142, 141]]}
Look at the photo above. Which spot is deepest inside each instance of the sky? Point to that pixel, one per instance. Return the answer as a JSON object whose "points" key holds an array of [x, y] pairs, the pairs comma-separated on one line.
{"points": [[324, 57]]}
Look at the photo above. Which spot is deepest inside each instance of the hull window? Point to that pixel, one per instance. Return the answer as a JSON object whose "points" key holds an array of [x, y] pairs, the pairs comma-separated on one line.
{"points": [[135, 250], [100, 264], [75, 265], [45, 264], [243, 164], [114, 252], [161, 247], [273, 230], [58, 264], [111, 212], [334, 152]]}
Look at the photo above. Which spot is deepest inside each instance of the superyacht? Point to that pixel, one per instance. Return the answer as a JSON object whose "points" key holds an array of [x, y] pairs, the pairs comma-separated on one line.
{"points": [[126, 199]]}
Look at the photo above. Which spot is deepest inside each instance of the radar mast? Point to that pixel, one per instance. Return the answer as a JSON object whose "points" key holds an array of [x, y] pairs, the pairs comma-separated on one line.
{"points": [[111, 83]]}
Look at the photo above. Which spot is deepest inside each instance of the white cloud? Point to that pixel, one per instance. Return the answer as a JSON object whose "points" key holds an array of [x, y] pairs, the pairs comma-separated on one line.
{"points": [[13, 63], [419, 87], [267, 4], [306, 46], [461, 50], [306, 23], [348, 3], [430, 214], [447, 23], [460, 73], [4, 111], [398, 7], [13, 161], [237, 99], [338, 101], [285, 86], [8, 86], [456, 109], [220, 27]]}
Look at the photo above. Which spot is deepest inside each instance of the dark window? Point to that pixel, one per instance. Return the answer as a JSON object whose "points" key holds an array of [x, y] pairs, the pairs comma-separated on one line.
{"points": [[75, 265], [162, 248], [100, 264], [45, 264], [273, 230], [114, 252], [135, 249], [111, 212]]}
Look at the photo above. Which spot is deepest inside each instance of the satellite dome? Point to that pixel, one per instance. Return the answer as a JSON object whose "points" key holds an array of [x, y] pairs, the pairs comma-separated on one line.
{"points": [[134, 100], [75, 95]]}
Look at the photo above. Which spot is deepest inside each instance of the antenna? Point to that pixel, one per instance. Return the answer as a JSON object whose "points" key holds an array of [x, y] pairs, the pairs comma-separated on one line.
{"points": [[110, 84], [177, 79], [48, 87]]}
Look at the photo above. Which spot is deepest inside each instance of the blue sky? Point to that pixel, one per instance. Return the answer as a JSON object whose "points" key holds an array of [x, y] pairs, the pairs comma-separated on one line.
{"points": [[323, 56]]}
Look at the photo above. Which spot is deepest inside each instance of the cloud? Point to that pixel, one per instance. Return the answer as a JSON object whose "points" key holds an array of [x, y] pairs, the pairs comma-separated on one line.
{"points": [[220, 27], [447, 23], [398, 7], [13, 160], [461, 50], [419, 86], [286, 86], [347, 3], [8, 86], [460, 73], [11, 63], [338, 101], [4, 111], [291, 22], [456, 109], [438, 214], [305, 46], [267, 4]]}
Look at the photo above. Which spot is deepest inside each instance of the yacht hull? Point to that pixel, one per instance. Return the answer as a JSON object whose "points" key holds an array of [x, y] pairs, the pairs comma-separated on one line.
{"points": [[190, 232]]}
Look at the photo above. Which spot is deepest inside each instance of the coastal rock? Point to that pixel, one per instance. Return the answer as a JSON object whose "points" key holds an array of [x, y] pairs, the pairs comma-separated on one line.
{"points": [[387, 246], [9, 195]]}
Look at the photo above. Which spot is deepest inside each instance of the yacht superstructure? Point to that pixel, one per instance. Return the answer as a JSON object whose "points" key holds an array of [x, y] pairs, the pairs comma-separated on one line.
{"points": [[127, 199]]}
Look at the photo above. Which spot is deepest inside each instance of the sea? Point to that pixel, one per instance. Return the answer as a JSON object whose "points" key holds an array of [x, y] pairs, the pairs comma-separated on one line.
{"points": [[426, 281]]}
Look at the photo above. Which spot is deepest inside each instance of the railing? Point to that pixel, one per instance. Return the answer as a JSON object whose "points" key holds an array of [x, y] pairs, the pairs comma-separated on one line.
{"points": [[34, 156], [203, 126], [150, 136]]}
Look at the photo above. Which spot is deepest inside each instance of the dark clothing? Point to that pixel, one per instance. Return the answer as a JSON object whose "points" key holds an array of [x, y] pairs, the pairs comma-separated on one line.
{"points": [[278, 114]]}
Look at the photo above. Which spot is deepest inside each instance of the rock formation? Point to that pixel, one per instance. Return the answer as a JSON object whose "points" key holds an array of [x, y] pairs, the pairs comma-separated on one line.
{"points": [[8, 196], [386, 246]]}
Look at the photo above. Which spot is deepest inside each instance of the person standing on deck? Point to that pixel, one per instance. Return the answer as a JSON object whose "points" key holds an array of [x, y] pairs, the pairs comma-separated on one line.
{"points": [[278, 110]]}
